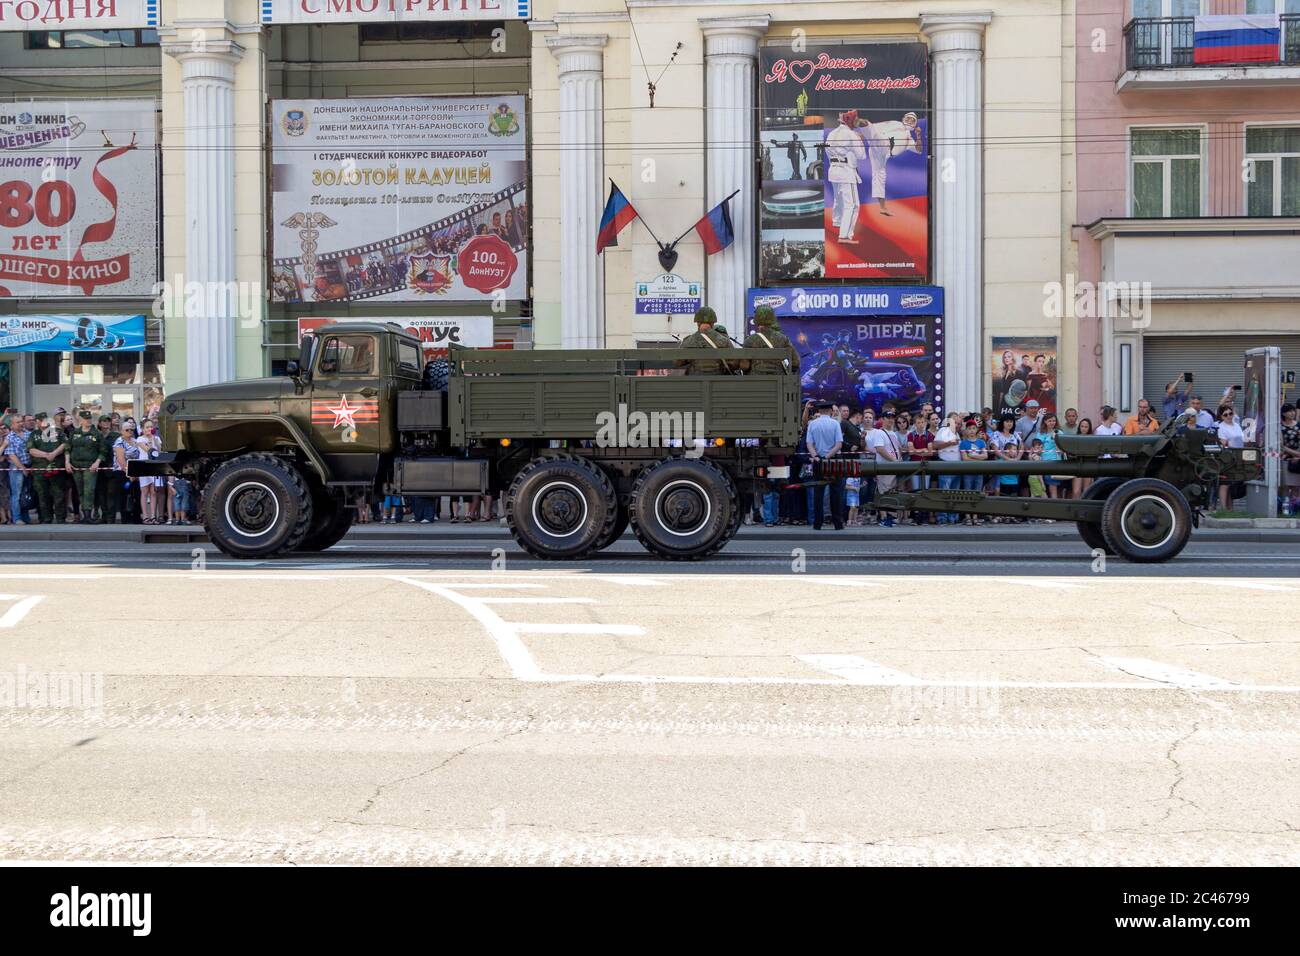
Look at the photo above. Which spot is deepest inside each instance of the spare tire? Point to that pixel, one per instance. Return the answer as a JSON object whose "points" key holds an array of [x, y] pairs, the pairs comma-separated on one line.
{"points": [[256, 506], [683, 508], [560, 507]]}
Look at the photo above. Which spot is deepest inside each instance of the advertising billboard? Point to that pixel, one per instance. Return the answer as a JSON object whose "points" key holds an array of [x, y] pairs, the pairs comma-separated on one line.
{"points": [[864, 345], [844, 146], [78, 198], [1024, 369], [72, 333], [436, 333], [392, 11], [400, 199]]}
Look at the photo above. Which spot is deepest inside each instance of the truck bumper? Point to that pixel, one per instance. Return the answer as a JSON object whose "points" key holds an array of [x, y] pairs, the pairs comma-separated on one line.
{"points": [[167, 463]]}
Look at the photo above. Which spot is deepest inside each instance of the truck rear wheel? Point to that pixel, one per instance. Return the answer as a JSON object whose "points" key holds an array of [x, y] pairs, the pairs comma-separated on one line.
{"points": [[1146, 520], [256, 506], [1090, 531], [683, 508], [331, 520], [616, 532], [560, 507]]}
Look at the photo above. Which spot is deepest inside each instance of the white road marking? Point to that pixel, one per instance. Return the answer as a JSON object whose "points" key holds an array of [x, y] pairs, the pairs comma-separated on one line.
{"points": [[19, 611], [629, 580], [622, 630], [1167, 674], [503, 633], [474, 585], [1039, 583], [857, 670], [844, 580], [1254, 585], [535, 600]]}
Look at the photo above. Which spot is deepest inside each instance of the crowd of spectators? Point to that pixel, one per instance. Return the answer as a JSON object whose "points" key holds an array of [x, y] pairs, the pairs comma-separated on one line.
{"points": [[70, 467]]}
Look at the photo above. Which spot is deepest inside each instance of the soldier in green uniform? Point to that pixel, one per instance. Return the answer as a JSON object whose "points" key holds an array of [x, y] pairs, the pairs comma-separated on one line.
{"points": [[47, 446], [768, 335], [710, 336], [85, 451], [108, 487]]}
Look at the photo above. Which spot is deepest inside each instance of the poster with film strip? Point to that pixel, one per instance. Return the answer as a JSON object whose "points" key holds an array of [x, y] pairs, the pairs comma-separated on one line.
{"points": [[399, 199]]}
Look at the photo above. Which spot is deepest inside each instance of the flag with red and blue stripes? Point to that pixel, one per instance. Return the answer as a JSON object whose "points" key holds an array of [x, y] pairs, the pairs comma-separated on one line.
{"points": [[618, 213], [1237, 38], [715, 228]]}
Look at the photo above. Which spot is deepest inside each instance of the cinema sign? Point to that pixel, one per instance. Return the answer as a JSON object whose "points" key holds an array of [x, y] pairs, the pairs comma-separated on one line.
{"points": [[392, 11]]}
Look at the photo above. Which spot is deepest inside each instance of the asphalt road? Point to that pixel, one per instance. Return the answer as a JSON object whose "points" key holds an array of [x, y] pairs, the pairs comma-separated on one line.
{"points": [[978, 701]]}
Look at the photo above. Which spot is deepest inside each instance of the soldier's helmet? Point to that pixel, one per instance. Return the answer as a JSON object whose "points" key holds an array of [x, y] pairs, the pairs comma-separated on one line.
{"points": [[705, 316], [764, 316]]}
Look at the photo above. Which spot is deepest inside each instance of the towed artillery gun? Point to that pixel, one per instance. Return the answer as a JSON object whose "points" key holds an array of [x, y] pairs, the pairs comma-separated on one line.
{"points": [[1147, 494]]}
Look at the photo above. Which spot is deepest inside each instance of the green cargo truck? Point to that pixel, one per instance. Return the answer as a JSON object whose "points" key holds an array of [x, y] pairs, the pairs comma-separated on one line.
{"points": [[578, 445]]}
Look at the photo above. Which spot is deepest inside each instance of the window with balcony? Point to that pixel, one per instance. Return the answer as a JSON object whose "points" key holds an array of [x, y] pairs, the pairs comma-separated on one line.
{"points": [[1162, 33], [1273, 171], [1165, 173]]}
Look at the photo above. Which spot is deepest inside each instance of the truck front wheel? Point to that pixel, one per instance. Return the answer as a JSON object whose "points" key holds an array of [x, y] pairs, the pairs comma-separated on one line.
{"points": [[560, 507], [257, 506], [683, 508]]}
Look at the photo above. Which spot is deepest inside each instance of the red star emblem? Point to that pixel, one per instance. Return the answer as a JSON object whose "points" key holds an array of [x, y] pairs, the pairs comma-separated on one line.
{"points": [[343, 413]]}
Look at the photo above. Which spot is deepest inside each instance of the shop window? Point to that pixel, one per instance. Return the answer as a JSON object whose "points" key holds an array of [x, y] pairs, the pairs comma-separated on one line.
{"points": [[430, 32], [1273, 171], [89, 39], [1165, 172]]}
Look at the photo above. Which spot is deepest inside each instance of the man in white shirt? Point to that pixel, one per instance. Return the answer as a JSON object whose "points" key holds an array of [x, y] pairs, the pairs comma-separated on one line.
{"points": [[844, 150], [1203, 418], [883, 442], [885, 140]]}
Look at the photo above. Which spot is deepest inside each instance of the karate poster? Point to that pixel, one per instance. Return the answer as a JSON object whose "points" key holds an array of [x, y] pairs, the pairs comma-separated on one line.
{"points": [[844, 148]]}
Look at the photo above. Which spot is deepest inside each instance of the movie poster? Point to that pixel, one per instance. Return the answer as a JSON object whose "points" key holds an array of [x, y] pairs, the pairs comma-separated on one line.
{"points": [[844, 147], [78, 198], [400, 199], [1024, 370], [863, 345]]}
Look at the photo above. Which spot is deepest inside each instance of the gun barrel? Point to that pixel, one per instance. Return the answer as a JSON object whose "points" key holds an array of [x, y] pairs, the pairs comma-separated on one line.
{"points": [[1081, 468]]}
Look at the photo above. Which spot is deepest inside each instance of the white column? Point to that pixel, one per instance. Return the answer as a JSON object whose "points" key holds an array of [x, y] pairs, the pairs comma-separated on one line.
{"points": [[208, 96], [582, 188], [730, 55], [956, 131]]}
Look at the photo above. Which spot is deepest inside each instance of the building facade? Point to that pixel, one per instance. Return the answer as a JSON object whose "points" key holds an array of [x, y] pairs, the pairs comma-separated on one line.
{"points": [[270, 218], [1188, 223]]}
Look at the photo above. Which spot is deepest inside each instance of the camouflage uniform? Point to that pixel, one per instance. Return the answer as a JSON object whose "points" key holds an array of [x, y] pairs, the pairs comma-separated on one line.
{"points": [[706, 338], [48, 476], [765, 321], [85, 449]]}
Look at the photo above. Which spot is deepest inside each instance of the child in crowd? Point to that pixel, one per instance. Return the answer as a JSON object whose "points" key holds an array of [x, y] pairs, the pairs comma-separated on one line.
{"points": [[973, 447], [390, 511], [851, 487], [183, 500]]}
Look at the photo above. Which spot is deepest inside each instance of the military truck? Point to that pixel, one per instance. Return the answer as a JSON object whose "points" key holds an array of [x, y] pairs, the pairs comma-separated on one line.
{"points": [[578, 444]]}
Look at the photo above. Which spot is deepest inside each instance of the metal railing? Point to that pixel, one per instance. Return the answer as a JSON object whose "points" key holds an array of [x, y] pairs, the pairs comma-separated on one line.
{"points": [[1166, 43]]}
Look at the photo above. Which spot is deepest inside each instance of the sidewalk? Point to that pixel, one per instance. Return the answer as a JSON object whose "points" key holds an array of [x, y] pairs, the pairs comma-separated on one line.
{"points": [[1221, 530]]}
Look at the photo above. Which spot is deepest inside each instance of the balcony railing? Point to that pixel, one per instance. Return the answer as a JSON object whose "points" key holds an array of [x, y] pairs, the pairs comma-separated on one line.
{"points": [[1167, 43]]}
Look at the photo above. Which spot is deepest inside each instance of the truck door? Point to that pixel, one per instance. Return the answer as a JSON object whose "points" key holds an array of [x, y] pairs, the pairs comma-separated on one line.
{"points": [[345, 405]]}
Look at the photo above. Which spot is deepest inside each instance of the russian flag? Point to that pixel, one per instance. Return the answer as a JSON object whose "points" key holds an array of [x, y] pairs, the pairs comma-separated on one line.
{"points": [[618, 213], [715, 228], [1237, 38]]}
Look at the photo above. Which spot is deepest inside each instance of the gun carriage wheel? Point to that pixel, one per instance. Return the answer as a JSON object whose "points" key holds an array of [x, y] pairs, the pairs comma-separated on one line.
{"points": [[1146, 520]]}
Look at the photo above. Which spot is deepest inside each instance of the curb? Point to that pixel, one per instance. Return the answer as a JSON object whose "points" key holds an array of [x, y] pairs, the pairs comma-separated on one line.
{"points": [[1239, 530]]}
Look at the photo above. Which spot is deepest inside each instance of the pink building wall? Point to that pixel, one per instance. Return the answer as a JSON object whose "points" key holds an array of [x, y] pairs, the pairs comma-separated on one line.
{"points": [[1102, 120]]}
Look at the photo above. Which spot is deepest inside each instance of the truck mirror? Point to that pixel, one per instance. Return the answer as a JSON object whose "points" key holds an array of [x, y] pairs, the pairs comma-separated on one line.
{"points": [[291, 367]]}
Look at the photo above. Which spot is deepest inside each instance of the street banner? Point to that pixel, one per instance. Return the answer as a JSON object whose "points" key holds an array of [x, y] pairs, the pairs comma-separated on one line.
{"points": [[78, 14], [844, 147], [436, 334], [392, 11], [1024, 369], [863, 345], [78, 198], [400, 199], [72, 333]]}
